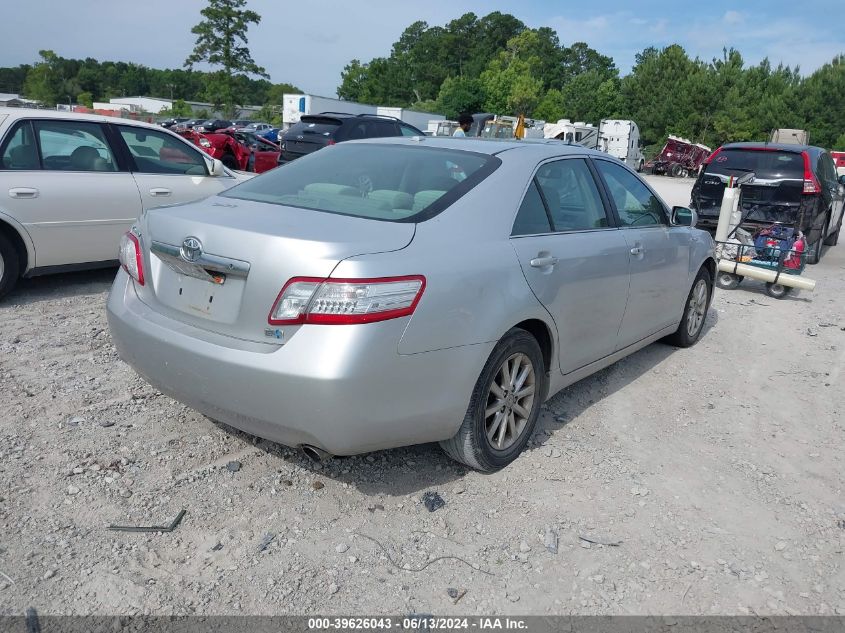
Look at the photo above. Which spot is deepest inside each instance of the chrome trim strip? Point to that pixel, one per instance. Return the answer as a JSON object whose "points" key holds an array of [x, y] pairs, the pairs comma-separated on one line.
{"points": [[171, 256]]}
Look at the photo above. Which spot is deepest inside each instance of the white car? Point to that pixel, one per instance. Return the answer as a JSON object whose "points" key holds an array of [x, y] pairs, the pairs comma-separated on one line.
{"points": [[71, 185]]}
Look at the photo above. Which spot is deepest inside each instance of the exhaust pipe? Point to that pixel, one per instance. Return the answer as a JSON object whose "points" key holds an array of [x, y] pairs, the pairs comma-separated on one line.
{"points": [[315, 454]]}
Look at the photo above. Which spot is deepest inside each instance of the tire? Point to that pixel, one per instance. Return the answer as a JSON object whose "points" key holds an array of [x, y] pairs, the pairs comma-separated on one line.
{"points": [[472, 445], [640, 167], [9, 265], [814, 255], [833, 238], [727, 281], [695, 312], [230, 161], [676, 170], [776, 291]]}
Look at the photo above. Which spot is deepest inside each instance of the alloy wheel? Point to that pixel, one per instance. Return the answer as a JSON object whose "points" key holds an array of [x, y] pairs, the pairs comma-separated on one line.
{"points": [[509, 402], [697, 307]]}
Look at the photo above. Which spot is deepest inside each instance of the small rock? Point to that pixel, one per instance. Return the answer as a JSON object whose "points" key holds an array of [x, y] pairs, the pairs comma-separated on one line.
{"points": [[75, 421], [78, 470], [780, 546], [287, 482], [512, 597], [72, 490], [375, 507], [217, 547], [598, 579], [125, 493], [265, 541], [550, 540], [524, 547], [433, 501], [333, 588], [341, 548], [233, 466], [694, 564], [318, 485], [49, 574], [353, 559], [106, 423], [452, 593], [585, 544]]}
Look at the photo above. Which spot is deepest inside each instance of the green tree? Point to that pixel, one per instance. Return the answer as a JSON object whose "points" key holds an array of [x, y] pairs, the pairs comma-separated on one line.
{"points": [[42, 80], [552, 107], [459, 94], [180, 108], [86, 99], [222, 41], [839, 144]]}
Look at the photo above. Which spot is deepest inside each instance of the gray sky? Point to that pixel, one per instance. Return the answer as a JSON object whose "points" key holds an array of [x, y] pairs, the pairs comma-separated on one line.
{"points": [[308, 43]]}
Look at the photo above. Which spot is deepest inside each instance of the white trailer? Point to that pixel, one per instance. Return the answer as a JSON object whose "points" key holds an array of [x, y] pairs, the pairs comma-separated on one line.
{"points": [[585, 134], [621, 139], [295, 105], [419, 120]]}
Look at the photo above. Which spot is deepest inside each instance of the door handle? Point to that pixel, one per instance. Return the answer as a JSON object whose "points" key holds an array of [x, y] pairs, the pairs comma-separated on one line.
{"points": [[23, 192], [160, 191], [637, 250], [542, 262]]}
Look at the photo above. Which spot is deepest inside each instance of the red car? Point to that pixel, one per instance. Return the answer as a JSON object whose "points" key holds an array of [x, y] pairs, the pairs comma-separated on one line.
{"points": [[236, 149]]}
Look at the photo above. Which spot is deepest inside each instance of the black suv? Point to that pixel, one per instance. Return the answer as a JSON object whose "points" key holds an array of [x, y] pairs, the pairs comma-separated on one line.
{"points": [[793, 184], [315, 131]]}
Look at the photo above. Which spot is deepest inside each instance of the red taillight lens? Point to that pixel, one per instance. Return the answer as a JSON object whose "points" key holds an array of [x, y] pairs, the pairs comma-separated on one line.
{"points": [[131, 257], [331, 142], [346, 301], [811, 183]]}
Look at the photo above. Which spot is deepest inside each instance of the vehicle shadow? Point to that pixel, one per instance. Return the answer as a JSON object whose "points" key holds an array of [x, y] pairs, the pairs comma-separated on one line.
{"points": [[59, 286], [414, 469]]}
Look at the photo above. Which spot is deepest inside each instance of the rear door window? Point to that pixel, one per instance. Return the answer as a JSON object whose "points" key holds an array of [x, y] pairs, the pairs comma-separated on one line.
{"points": [[73, 146], [314, 126], [160, 153], [532, 218]]}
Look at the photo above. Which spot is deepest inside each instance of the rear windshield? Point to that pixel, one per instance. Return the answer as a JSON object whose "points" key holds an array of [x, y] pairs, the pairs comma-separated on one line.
{"points": [[765, 164], [322, 127], [395, 183]]}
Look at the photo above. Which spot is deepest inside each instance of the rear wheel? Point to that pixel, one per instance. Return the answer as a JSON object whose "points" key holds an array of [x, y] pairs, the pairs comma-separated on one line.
{"points": [[814, 255], [777, 291], [695, 312], [676, 170], [727, 281], [504, 406], [9, 265]]}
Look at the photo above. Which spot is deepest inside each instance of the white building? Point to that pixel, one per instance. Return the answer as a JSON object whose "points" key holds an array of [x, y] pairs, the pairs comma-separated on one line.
{"points": [[10, 100], [158, 105]]}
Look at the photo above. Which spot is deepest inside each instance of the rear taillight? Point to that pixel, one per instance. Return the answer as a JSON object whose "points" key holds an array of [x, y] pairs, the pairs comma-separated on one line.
{"points": [[331, 142], [811, 183], [131, 258], [346, 301]]}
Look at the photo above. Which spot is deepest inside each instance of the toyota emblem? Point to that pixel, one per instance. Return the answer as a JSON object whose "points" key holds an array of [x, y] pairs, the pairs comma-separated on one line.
{"points": [[191, 249]]}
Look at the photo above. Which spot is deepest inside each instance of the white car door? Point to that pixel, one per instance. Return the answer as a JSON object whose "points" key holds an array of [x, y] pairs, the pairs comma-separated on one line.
{"points": [[168, 169], [60, 179]]}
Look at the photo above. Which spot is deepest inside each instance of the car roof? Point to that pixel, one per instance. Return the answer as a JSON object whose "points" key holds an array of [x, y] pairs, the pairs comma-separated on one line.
{"points": [[491, 146], [33, 113], [780, 147]]}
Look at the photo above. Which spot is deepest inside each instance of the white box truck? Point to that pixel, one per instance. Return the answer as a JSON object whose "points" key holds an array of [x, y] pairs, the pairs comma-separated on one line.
{"points": [[295, 105], [621, 139], [419, 120]]}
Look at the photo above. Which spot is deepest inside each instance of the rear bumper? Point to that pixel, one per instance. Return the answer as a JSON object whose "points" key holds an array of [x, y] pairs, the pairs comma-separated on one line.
{"points": [[345, 389]]}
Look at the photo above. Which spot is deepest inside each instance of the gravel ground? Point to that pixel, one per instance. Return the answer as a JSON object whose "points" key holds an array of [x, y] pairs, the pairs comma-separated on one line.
{"points": [[698, 481]]}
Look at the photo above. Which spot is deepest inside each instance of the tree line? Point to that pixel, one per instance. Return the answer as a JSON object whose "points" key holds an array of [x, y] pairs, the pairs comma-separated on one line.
{"points": [[55, 79], [497, 64]]}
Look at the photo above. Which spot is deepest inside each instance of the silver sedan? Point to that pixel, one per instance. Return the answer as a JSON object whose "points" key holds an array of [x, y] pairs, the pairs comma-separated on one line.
{"points": [[397, 291]]}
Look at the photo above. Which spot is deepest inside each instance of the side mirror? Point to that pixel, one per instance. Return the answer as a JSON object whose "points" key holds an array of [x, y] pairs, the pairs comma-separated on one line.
{"points": [[217, 168], [684, 216]]}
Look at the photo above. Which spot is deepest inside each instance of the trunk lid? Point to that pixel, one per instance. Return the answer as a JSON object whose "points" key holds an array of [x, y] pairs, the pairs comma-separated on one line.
{"points": [[775, 195], [243, 252]]}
